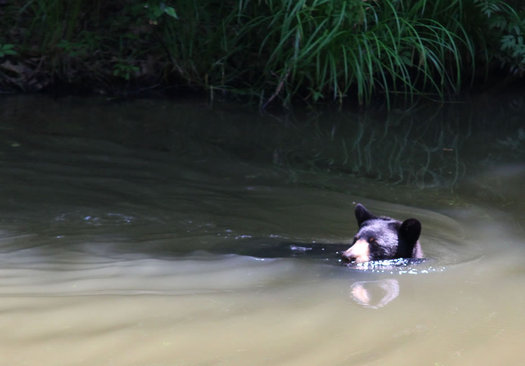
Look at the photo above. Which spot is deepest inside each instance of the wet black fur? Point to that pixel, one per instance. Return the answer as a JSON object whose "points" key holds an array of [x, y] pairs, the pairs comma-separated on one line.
{"points": [[388, 238]]}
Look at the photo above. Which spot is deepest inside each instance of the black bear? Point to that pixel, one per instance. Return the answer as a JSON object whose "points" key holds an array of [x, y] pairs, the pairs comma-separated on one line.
{"points": [[383, 237]]}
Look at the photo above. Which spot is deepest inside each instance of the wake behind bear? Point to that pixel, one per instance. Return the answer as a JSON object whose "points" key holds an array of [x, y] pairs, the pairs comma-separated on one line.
{"points": [[381, 238]]}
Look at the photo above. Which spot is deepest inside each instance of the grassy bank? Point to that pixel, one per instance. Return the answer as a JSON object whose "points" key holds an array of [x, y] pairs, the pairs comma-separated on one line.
{"points": [[274, 51]]}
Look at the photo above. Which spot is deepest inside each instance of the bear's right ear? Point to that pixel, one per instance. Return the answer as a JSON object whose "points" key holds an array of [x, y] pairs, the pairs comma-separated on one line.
{"points": [[362, 214], [410, 230]]}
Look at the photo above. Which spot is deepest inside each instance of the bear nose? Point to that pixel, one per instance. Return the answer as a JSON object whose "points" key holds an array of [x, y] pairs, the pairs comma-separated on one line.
{"points": [[348, 255], [359, 252]]}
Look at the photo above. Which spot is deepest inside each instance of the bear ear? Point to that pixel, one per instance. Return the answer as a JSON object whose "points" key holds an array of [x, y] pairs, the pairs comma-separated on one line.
{"points": [[362, 214], [410, 230]]}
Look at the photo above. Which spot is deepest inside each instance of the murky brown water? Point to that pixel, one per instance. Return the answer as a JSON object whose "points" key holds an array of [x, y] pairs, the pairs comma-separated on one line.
{"points": [[143, 233]]}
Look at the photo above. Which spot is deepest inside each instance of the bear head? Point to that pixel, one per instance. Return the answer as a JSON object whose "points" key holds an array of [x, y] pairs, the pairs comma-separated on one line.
{"points": [[380, 238]]}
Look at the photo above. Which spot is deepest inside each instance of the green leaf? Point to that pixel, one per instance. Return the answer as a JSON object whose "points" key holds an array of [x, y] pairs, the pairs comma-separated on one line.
{"points": [[7, 50], [171, 12]]}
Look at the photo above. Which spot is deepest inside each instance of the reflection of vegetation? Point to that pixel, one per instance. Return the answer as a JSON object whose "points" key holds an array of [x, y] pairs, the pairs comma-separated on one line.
{"points": [[399, 149], [312, 49], [426, 146]]}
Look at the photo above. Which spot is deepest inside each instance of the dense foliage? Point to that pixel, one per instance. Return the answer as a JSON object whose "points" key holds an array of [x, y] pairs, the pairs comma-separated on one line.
{"points": [[268, 49]]}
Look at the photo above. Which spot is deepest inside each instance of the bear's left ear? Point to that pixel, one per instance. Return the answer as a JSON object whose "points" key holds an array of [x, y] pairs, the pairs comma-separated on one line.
{"points": [[410, 230], [362, 214]]}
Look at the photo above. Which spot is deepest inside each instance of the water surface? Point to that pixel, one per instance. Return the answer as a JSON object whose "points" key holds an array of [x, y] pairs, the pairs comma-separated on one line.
{"points": [[163, 233]]}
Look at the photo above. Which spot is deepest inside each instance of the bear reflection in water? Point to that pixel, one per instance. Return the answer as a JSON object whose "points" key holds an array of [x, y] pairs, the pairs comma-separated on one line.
{"points": [[374, 294]]}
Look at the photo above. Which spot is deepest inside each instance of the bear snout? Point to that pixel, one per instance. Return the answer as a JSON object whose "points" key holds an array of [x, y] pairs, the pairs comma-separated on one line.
{"points": [[358, 252]]}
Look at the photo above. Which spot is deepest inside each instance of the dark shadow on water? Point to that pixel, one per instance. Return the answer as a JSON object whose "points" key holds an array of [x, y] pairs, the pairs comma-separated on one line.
{"points": [[273, 248]]}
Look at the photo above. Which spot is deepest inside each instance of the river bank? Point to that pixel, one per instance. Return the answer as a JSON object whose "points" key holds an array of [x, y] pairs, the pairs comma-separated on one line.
{"points": [[269, 53]]}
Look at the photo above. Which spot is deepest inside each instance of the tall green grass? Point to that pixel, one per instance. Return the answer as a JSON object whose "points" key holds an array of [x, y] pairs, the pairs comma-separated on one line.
{"points": [[358, 49]]}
